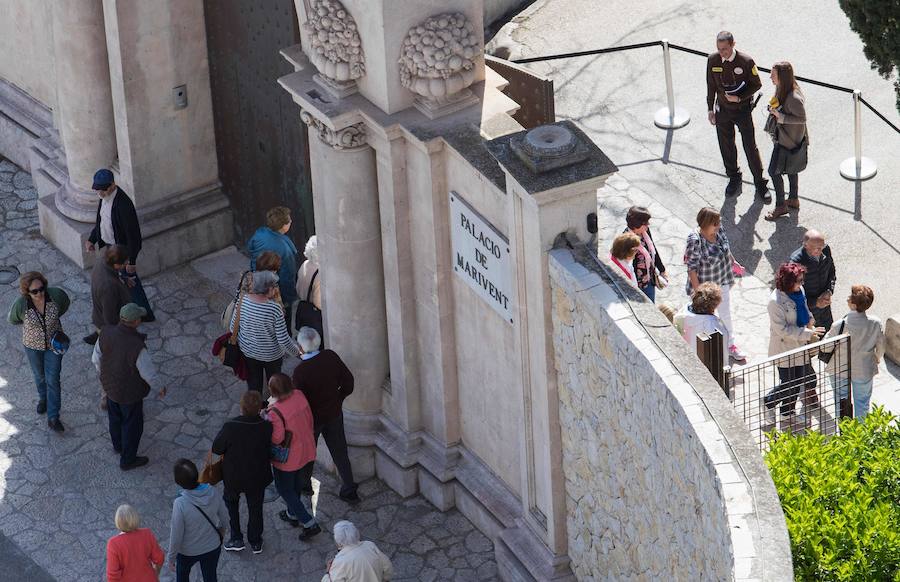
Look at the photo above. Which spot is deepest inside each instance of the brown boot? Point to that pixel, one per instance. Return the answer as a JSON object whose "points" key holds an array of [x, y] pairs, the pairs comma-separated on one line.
{"points": [[792, 203], [776, 212]]}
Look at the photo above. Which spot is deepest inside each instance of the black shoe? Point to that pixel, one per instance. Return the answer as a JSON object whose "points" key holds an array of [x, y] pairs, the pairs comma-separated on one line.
{"points": [[56, 425], [234, 545], [762, 190], [138, 462], [42, 406], [734, 186], [257, 547], [91, 339], [285, 516], [308, 532], [352, 498]]}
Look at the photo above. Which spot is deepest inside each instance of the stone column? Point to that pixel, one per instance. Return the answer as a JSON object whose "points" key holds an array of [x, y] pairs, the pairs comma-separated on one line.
{"points": [[84, 101], [348, 225]]}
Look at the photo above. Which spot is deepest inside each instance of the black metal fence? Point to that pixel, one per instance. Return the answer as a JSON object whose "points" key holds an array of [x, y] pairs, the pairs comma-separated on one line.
{"points": [[795, 391]]}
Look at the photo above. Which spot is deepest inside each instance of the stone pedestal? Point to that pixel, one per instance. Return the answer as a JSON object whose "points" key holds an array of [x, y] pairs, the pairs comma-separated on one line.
{"points": [[348, 226], [84, 100]]}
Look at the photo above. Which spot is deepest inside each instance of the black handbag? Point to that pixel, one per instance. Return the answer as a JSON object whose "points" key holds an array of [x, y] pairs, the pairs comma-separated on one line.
{"points": [[308, 315], [796, 159], [825, 357]]}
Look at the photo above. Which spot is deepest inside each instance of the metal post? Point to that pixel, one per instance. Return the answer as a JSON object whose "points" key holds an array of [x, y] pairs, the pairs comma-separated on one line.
{"points": [[670, 117], [858, 167]]}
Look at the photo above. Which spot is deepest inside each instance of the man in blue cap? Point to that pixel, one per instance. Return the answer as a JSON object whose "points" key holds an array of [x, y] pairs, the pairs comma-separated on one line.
{"points": [[117, 224]]}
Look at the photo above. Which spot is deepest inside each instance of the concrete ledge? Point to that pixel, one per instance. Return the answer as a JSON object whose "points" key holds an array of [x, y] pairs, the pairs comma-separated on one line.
{"points": [[892, 338]]}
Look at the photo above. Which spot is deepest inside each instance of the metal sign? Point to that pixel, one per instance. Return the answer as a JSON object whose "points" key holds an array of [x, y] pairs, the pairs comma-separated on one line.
{"points": [[481, 256]]}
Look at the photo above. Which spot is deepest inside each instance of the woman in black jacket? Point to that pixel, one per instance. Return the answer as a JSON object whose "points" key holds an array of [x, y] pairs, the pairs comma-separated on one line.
{"points": [[245, 441]]}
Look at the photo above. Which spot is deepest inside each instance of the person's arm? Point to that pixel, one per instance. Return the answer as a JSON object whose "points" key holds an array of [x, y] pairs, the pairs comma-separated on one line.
{"points": [[114, 568], [387, 569], [111, 303], [284, 339], [754, 83], [710, 88], [132, 228], [832, 273], [793, 111], [222, 512], [157, 557], [176, 533], [277, 426], [61, 298], [345, 377], [220, 443], [16, 315], [95, 355], [146, 367], [692, 260], [879, 344], [658, 262], [780, 324]]}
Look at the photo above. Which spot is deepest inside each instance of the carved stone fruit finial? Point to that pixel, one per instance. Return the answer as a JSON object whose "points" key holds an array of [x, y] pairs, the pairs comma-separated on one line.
{"points": [[335, 46], [439, 57]]}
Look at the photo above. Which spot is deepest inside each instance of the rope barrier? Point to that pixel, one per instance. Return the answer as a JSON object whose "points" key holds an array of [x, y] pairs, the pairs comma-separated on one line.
{"points": [[685, 49]]}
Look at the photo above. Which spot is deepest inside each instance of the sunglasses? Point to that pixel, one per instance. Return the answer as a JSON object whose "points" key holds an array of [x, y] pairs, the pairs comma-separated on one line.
{"points": [[37, 291]]}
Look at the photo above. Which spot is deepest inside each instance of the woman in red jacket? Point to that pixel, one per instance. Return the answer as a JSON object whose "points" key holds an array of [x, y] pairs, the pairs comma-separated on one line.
{"points": [[291, 415], [134, 554]]}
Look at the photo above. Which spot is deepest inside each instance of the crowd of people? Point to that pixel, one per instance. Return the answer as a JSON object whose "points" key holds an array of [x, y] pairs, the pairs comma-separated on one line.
{"points": [[276, 312], [799, 307]]}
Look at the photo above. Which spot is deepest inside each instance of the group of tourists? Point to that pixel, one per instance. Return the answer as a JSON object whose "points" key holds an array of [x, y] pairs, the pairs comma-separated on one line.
{"points": [[800, 305], [269, 442]]}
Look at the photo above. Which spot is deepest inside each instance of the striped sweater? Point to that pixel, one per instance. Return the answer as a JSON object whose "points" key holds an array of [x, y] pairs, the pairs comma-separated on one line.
{"points": [[262, 333]]}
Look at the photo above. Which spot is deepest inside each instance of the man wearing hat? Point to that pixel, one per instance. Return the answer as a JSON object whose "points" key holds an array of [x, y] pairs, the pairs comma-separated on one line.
{"points": [[117, 224], [126, 371]]}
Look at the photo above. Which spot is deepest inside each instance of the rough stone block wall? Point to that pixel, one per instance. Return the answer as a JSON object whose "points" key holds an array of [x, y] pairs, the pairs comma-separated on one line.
{"points": [[643, 499]]}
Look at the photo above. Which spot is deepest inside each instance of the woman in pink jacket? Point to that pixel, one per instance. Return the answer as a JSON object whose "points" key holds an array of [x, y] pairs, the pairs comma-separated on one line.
{"points": [[292, 427]]}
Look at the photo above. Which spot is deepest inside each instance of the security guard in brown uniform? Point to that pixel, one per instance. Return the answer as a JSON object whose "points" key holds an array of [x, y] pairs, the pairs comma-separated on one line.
{"points": [[731, 81]]}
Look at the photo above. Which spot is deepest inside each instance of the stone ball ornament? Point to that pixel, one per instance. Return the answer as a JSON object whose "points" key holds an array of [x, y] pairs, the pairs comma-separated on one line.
{"points": [[336, 48], [438, 58]]}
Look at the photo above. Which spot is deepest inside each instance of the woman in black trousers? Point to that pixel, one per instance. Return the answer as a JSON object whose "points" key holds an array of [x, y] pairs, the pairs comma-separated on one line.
{"points": [[244, 441]]}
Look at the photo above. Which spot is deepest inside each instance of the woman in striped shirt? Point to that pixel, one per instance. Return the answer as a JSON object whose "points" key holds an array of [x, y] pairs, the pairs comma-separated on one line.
{"points": [[261, 331]]}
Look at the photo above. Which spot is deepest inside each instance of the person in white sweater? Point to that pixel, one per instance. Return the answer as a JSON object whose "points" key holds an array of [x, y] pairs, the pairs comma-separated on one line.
{"points": [[866, 348], [357, 561]]}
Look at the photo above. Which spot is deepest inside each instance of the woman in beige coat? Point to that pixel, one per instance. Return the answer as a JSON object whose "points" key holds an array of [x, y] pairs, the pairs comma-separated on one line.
{"points": [[790, 327], [866, 348], [789, 134]]}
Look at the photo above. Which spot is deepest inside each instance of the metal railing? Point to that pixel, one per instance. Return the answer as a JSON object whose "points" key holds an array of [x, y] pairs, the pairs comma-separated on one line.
{"points": [[857, 168], [794, 391]]}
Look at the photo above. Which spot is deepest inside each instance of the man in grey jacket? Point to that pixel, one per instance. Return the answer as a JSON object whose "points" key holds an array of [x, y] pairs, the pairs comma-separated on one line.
{"points": [[199, 516]]}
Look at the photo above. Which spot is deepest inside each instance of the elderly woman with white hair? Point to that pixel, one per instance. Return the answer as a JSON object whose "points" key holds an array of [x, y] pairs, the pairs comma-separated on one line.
{"points": [[356, 561], [258, 321], [309, 308], [133, 555]]}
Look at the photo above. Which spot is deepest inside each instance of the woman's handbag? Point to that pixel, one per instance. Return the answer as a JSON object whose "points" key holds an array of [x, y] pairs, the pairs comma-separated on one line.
{"points": [[825, 357], [796, 159], [229, 309], [230, 352], [212, 471], [280, 452], [308, 315]]}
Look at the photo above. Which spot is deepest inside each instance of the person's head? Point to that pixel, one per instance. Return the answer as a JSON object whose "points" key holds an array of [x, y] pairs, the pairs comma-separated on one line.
{"points": [[861, 298], [789, 277], [783, 78], [709, 221], [268, 261], [279, 219], [666, 310], [127, 518], [104, 183], [309, 339], [280, 386], [725, 44], [625, 246], [264, 283], [116, 256], [345, 534], [131, 313], [814, 243], [251, 403], [186, 475], [638, 219], [706, 298], [311, 250], [33, 284]]}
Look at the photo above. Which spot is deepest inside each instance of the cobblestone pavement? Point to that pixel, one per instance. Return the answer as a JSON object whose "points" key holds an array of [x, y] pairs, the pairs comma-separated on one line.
{"points": [[59, 492], [749, 294]]}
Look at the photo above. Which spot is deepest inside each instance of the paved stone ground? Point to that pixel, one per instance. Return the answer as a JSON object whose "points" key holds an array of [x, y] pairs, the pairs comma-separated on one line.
{"points": [[59, 492]]}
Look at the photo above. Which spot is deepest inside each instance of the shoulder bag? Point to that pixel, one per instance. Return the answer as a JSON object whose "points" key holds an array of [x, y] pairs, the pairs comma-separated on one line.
{"points": [[212, 471], [231, 354], [229, 309], [280, 452], [308, 315], [218, 531], [825, 357]]}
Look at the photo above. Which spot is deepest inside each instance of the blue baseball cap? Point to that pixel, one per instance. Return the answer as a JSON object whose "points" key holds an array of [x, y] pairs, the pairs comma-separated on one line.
{"points": [[103, 179]]}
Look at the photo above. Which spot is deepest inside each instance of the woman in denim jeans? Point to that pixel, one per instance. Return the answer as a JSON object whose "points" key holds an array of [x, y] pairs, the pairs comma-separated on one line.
{"points": [[290, 413], [38, 310]]}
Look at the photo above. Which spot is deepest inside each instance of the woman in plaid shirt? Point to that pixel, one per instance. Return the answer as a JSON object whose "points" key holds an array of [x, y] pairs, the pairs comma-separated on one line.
{"points": [[708, 258]]}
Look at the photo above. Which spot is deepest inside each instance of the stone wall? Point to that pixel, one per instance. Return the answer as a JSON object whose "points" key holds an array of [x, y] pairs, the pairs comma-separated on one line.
{"points": [[660, 482], [26, 43]]}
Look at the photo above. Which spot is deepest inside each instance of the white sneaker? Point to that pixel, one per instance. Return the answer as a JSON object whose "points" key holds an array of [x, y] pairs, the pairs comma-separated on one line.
{"points": [[736, 354]]}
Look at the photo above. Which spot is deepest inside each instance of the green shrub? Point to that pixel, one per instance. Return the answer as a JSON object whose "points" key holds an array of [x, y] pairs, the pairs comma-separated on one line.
{"points": [[841, 499]]}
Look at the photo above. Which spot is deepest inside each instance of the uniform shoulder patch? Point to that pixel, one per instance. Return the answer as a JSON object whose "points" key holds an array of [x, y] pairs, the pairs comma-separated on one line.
{"points": [[754, 71], [717, 69]]}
